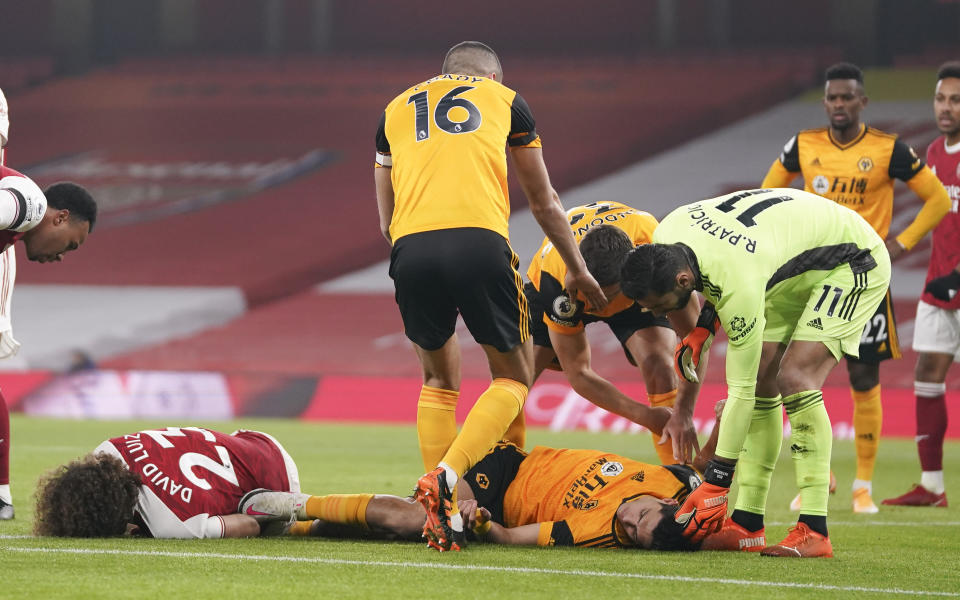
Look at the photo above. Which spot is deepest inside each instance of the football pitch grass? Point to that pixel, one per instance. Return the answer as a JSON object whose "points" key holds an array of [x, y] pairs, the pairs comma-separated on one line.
{"points": [[900, 552]]}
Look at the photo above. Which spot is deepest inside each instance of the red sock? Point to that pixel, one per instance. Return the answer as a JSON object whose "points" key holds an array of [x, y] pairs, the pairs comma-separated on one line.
{"points": [[4, 442], [931, 424]]}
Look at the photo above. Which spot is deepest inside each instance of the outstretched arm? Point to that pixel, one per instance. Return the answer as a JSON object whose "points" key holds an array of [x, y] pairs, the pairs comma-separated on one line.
{"points": [[679, 430], [573, 350]]}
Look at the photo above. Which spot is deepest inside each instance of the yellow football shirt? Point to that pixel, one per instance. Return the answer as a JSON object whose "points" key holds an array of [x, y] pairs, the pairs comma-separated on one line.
{"points": [[445, 140], [574, 494], [858, 174]]}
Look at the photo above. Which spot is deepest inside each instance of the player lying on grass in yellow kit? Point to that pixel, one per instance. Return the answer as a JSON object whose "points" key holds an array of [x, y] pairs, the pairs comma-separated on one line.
{"points": [[547, 497]]}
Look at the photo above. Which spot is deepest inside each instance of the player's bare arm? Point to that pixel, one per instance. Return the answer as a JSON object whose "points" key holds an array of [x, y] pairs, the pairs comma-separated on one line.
{"points": [[679, 429], [384, 187], [573, 351], [239, 526], [547, 210], [477, 519]]}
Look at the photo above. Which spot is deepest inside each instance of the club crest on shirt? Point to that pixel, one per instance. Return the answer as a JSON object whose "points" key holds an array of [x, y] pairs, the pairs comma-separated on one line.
{"points": [[821, 184], [483, 481], [590, 504], [611, 469], [865, 164]]}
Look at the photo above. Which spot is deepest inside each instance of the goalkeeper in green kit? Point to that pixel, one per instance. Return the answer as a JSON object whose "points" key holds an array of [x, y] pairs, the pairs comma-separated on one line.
{"points": [[792, 278]]}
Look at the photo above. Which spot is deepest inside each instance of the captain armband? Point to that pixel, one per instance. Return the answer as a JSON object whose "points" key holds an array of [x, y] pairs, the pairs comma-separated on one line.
{"points": [[384, 160]]}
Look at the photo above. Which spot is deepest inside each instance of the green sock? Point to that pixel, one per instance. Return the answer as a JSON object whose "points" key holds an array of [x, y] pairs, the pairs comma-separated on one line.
{"points": [[734, 423], [810, 444], [759, 456]]}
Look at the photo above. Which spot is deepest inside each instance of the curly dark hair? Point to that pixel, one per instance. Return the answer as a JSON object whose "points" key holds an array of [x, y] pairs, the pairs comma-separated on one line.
{"points": [[93, 496], [668, 535]]}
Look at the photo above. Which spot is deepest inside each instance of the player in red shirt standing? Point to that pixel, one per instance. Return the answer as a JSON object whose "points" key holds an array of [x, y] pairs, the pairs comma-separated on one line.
{"points": [[50, 223], [177, 482], [936, 334]]}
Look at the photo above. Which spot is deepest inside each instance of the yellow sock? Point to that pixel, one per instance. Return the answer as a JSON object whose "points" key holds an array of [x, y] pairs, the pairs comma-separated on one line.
{"points": [[436, 424], [665, 451], [348, 509], [489, 418], [300, 528], [867, 422], [517, 432]]}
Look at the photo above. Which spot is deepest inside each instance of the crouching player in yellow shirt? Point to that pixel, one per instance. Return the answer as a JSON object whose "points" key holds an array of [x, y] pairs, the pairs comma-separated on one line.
{"points": [[605, 233]]}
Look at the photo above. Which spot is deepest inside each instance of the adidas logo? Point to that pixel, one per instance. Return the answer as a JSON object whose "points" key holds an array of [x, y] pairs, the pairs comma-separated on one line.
{"points": [[815, 162], [815, 323]]}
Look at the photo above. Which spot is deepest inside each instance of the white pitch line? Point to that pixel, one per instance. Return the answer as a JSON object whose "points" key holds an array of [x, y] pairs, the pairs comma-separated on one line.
{"points": [[524, 570], [890, 523]]}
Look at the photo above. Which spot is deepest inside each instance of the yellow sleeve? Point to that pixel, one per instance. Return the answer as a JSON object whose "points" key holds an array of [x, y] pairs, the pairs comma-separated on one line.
{"points": [[647, 225], [778, 176], [536, 143], [936, 204], [545, 537]]}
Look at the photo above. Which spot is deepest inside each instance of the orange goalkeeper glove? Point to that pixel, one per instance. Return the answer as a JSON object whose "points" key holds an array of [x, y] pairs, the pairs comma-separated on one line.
{"points": [[705, 509], [690, 350]]}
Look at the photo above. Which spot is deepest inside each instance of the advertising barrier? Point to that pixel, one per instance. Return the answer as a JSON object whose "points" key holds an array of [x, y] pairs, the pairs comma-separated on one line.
{"points": [[125, 394]]}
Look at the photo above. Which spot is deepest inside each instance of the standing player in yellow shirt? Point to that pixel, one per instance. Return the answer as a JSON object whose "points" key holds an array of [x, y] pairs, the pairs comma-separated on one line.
{"points": [[855, 165], [441, 184]]}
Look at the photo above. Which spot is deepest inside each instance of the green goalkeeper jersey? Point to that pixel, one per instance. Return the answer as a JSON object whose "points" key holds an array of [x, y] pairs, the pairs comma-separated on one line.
{"points": [[748, 242]]}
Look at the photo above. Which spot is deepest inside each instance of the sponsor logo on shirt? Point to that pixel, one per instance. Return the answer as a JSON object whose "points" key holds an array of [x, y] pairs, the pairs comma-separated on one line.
{"points": [[821, 184]]}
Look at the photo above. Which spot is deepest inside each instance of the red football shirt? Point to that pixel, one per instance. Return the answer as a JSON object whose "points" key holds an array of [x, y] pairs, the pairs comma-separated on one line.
{"points": [[191, 476], [945, 255]]}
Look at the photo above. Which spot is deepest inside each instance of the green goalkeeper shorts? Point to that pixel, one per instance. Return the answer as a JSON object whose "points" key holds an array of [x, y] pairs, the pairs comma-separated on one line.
{"points": [[832, 307]]}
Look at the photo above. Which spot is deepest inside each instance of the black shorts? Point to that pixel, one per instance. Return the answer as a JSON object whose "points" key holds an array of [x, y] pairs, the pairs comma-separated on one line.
{"points": [[490, 477], [623, 324], [470, 271], [879, 341]]}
